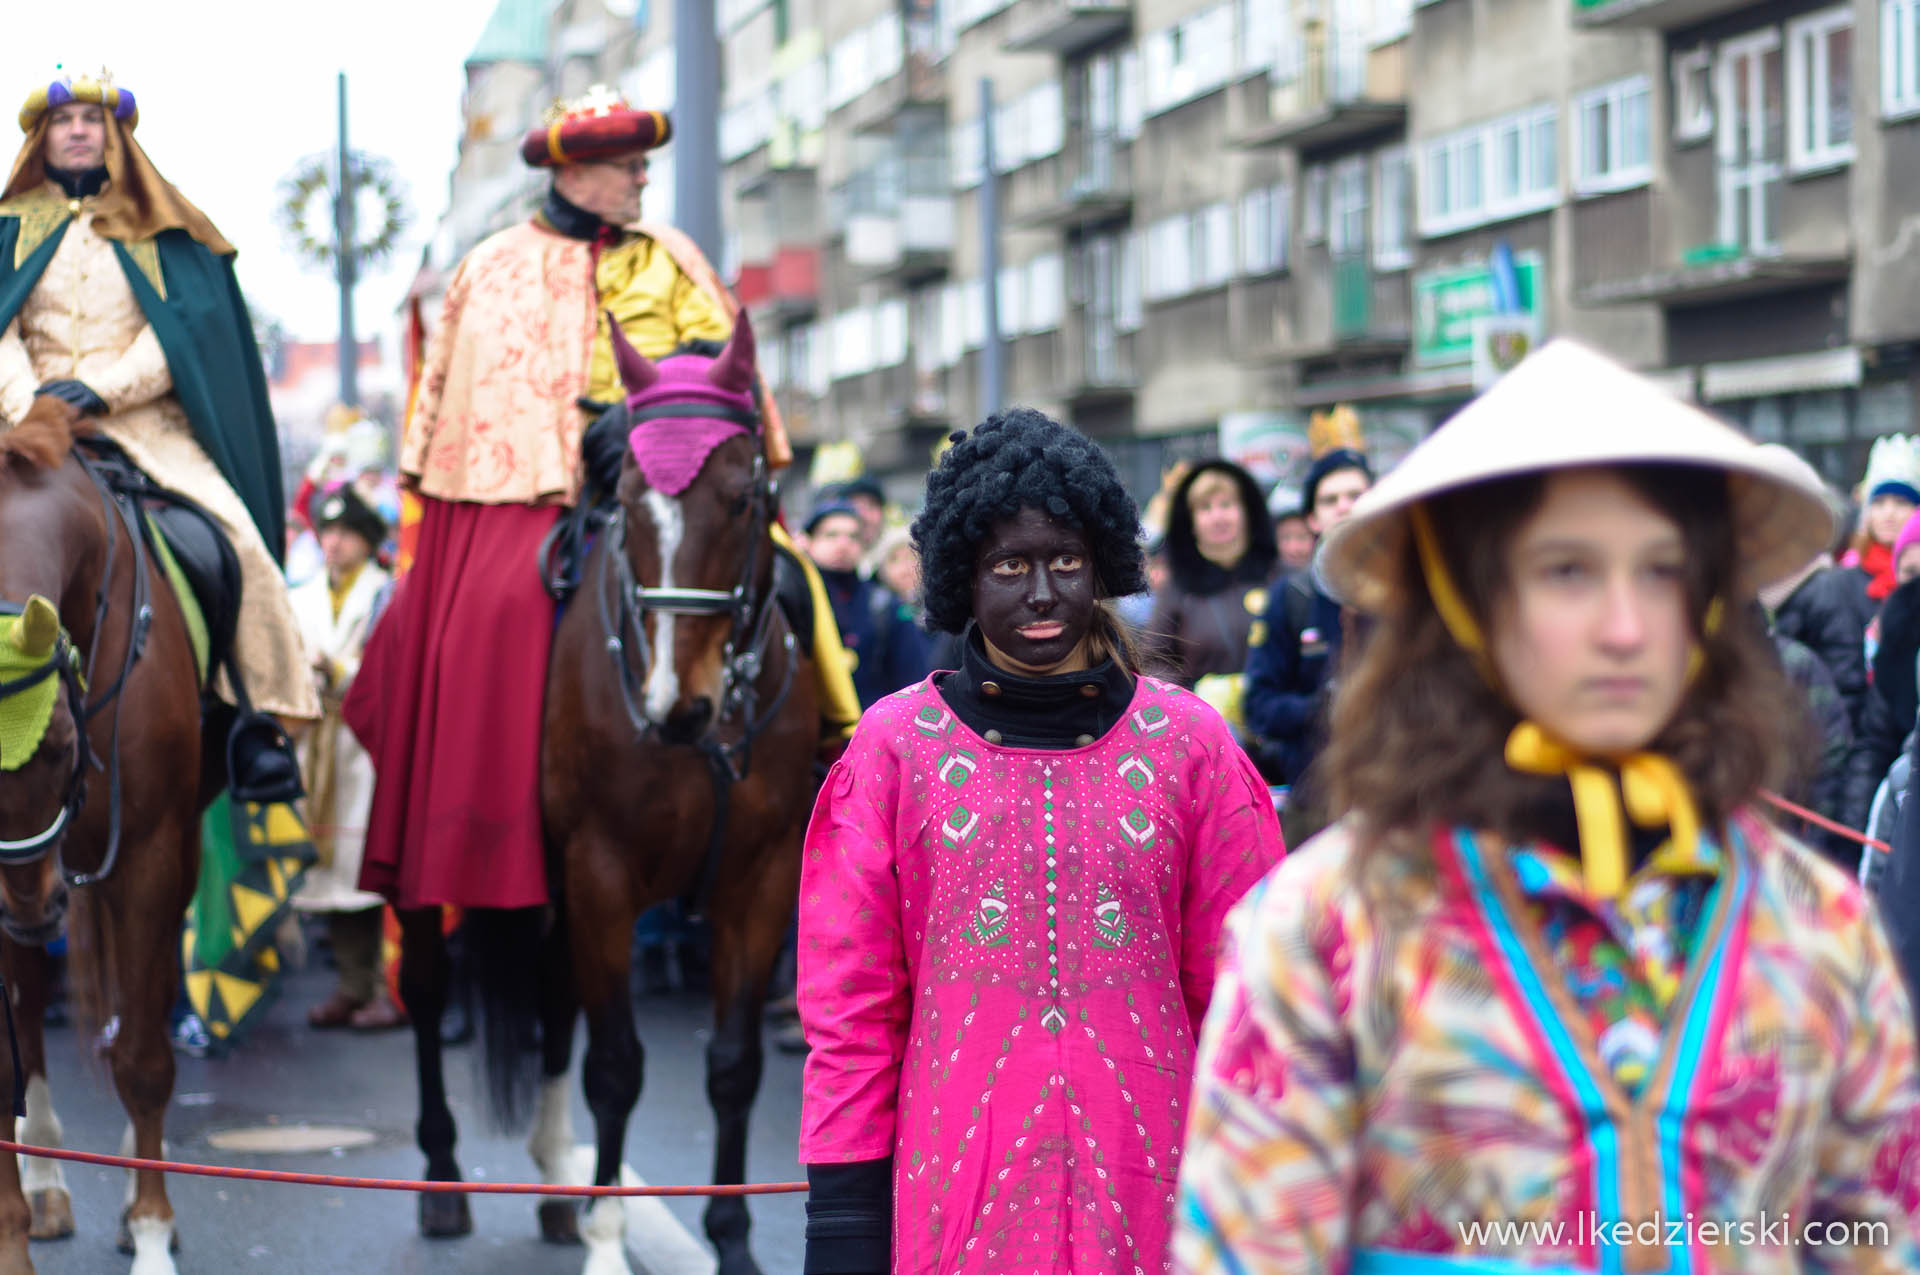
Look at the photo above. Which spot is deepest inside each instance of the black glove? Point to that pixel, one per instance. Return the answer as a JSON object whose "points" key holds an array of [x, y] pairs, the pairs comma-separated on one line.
{"points": [[78, 393]]}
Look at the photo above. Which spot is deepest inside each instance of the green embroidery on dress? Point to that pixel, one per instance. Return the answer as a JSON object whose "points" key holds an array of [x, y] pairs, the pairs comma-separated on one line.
{"points": [[1110, 929], [989, 925]]}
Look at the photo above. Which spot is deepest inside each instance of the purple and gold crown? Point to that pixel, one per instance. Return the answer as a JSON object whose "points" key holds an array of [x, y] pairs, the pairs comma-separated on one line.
{"points": [[98, 89], [596, 125]]}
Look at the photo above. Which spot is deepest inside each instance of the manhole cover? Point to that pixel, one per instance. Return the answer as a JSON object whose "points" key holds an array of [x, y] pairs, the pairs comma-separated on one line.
{"points": [[292, 1139]]}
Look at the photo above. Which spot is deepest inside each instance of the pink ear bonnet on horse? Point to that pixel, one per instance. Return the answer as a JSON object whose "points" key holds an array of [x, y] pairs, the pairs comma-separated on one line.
{"points": [[684, 406]]}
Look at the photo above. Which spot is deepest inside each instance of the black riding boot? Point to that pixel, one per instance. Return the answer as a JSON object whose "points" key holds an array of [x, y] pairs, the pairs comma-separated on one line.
{"points": [[261, 764]]}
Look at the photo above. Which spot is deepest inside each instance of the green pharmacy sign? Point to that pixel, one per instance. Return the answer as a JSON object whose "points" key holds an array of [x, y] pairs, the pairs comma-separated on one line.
{"points": [[1448, 303]]}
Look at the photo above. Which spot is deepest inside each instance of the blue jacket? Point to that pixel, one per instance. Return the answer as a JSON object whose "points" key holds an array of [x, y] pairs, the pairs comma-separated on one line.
{"points": [[1288, 657], [889, 650]]}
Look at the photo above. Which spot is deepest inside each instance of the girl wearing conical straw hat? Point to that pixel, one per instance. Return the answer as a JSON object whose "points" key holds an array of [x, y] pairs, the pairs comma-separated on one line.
{"points": [[1553, 995]]}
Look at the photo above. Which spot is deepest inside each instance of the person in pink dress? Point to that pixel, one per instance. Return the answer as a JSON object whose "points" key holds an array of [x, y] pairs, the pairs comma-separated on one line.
{"points": [[1011, 899]]}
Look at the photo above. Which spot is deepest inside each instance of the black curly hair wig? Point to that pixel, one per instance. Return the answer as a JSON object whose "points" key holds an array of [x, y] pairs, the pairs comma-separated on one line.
{"points": [[1014, 460]]}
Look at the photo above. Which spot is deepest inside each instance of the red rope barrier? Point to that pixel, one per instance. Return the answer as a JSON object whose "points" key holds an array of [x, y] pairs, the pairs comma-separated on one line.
{"points": [[390, 1184], [1821, 821]]}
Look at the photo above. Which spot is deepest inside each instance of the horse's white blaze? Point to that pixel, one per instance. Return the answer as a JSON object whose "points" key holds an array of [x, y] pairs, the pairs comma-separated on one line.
{"points": [[551, 1142], [40, 1128], [152, 1238], [663, 684], [604, 1229]]}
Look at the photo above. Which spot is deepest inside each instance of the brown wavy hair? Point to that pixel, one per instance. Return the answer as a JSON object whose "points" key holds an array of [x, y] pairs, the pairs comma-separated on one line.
{"points": [[1418, 736]]}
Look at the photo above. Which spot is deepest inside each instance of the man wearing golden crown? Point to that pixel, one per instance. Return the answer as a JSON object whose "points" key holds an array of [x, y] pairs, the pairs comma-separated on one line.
{"points": [[118, 296], [450, 695], [1294, 650]]}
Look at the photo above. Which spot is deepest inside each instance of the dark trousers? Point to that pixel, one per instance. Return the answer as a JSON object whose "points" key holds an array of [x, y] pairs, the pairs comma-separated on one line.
{"points": [[356, 950]]}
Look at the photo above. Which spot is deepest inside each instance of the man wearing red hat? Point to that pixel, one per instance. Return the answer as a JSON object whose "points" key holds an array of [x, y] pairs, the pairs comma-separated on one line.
{"points": [[450, 696]]}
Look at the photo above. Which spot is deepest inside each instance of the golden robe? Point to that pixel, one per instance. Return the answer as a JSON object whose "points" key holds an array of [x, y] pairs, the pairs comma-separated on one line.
{"points": [[522, 338], [82, 322]]}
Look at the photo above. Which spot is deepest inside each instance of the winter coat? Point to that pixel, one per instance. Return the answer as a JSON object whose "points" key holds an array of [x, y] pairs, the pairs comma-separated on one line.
{"points": [[1892, 701], [1205, 613], [1827, 613], [1825, 788]]}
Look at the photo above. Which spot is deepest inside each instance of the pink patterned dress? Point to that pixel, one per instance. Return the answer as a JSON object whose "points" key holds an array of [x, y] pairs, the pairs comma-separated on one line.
{"points": [[1005, 956]]}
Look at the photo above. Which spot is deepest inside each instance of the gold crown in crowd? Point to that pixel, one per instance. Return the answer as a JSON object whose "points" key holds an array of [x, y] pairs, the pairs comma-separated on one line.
{"points": [[1333, 431]]}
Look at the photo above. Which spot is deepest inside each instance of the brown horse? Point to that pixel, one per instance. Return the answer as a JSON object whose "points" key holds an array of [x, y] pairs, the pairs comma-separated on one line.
{"points": [[677, 755], [68, 566]]}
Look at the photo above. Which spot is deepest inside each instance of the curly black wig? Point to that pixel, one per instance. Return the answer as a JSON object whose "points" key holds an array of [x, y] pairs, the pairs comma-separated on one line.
{"points": [[1014, 460]]}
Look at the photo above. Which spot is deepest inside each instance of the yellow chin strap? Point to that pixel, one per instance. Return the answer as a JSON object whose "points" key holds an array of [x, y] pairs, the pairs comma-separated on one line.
{"points": [[1650, 790]]}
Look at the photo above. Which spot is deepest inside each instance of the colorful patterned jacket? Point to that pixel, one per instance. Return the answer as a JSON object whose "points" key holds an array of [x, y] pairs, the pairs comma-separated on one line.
{"points": [[1402, 1081]]}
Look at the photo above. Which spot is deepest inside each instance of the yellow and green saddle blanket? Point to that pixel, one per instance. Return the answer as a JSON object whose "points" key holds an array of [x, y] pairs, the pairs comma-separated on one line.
{"points": [[252, 859]]}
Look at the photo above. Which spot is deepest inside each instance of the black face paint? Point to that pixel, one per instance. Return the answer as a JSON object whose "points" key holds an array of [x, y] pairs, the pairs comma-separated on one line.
{"points": [[1034, 592]]}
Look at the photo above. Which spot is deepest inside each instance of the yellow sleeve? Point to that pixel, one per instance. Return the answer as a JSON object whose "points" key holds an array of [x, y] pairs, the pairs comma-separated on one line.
{"points": [[695, 313]]}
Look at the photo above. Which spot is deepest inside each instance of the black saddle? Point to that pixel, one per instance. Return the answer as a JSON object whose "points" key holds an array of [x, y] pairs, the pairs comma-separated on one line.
{"points": [[603, 450], [198, 545]]}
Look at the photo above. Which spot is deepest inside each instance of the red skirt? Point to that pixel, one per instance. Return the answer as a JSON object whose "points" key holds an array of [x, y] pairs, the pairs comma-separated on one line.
{"points": [[449, 703]]}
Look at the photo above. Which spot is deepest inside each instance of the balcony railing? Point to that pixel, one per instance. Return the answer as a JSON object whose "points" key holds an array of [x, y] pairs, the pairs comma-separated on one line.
{"points": [[1660, 15], [1352, 298], [1320, 94], [1065, 27]]}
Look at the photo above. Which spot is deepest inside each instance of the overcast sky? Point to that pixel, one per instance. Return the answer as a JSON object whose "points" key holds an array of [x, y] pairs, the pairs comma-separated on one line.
{"points": [[234, 93]]}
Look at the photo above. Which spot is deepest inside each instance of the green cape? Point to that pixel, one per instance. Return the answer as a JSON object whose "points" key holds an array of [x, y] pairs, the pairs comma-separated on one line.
{"points": [[204, 329]]}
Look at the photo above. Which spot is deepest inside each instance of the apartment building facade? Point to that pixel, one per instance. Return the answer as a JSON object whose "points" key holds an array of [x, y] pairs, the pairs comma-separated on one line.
{"points": [[1218, 216]]}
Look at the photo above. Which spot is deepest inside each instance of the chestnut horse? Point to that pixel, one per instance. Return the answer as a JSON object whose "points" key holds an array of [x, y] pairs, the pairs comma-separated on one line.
{"points": [[87, 598], [677, 763]]}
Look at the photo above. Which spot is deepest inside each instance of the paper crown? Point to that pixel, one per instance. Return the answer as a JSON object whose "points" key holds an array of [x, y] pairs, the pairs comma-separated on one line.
{"points": [[1335, 431], [1893, 468], [98, 89], [599, 124]]}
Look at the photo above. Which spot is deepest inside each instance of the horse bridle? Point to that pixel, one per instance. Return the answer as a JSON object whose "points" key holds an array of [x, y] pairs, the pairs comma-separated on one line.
{"points": [[624, 603], [64, 663]]}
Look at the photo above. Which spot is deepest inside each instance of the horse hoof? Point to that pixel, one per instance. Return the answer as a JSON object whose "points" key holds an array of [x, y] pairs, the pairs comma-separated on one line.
{"points": [[560, 1221], [52, 1214], [124, 1242], [445, 1216]]}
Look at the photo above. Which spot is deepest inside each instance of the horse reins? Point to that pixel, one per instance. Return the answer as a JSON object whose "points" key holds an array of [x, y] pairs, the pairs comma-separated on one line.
{"points": [[63, 663], [743, 658]]}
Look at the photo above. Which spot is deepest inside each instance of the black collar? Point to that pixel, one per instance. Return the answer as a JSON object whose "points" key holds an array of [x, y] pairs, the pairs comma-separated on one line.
{"points": [[1066, 710], [569, 219], [78, 182]]}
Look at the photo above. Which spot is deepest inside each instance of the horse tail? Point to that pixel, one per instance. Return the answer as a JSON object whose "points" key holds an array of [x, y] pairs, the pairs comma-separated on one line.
{"points": [[503, 953], [93, 991]]}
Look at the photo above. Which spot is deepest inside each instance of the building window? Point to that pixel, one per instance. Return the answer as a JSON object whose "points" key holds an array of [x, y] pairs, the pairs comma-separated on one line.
{"points": [[1507, 167], [1393, 182], [1313, 211], [1263, 229], [1900, 57], [1128, 312], [1347, 208], [1820, 90], [1693, 95], [1613, 137]]}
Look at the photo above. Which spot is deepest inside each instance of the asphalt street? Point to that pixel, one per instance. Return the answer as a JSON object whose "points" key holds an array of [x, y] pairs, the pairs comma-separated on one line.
{"points": [[287, 1074]]}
